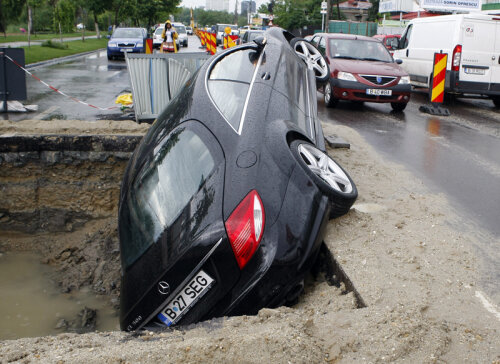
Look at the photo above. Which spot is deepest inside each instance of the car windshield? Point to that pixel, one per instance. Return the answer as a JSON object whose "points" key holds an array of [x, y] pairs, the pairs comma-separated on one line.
{"points": [[127, 33], [163, 187], [181, 29], [159, 30], [366, 50]]}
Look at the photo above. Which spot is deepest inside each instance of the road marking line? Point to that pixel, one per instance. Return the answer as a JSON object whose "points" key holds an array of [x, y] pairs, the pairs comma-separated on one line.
{"points": [[488, 305], [46, 112]]}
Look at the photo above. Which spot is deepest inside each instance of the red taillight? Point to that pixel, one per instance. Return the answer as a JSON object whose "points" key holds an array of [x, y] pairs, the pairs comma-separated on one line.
{"points": [[457, 55], [245, 227]]}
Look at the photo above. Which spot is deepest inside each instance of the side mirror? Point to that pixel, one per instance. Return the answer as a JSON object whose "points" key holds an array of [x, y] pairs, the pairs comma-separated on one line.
{"points": [[398, 61]]}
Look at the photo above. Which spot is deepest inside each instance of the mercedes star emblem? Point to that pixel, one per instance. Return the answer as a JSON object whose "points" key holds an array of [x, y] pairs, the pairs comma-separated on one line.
{"points": [[163, 287]]}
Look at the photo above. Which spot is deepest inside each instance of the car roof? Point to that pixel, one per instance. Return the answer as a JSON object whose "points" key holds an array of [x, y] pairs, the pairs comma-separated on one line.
{"points": [[346, 36]]}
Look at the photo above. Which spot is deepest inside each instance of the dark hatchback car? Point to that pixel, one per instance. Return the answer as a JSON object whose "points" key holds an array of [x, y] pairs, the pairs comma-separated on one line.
{"points": [[362, 70], [225, 202], [126, 40]]}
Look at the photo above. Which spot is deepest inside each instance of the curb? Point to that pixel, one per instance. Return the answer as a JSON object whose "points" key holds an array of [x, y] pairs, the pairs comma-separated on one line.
{"points": [[61, 59]]}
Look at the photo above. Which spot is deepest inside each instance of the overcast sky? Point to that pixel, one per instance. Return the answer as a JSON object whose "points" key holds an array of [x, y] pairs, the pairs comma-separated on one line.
{"points": [[198, 3]]}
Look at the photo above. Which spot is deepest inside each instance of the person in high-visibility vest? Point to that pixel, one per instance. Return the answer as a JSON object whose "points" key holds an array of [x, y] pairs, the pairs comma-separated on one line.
{"points": [[169, 36]]}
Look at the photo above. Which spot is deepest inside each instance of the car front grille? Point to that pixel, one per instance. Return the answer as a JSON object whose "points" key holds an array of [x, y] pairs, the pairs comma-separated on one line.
{"points": [[126, 45], [379, 80]]}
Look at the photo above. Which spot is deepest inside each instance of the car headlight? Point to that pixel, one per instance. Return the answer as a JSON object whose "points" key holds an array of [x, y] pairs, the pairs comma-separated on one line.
{"points": [[405, 80], [139, 44], [346, 76], [112, 45]]}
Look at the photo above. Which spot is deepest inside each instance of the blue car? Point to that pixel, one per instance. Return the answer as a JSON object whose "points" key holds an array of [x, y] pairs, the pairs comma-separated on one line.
{"points": [[126, 40]]}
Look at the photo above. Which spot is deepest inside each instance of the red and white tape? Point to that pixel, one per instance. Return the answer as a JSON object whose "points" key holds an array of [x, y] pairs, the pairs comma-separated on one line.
{"points": [[57, 90]]}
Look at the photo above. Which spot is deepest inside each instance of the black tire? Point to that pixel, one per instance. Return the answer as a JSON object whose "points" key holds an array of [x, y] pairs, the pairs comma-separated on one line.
{"points": [[496, 100], [330, 100], [321, 76], [341, 199], [398, 106]]}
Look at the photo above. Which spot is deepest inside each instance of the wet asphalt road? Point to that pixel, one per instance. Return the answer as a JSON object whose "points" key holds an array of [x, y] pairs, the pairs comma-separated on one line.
{"points": [[458, 155]]}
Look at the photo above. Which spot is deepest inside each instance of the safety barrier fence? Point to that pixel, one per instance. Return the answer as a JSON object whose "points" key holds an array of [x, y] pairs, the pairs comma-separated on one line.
{"points": [[157, 78]]}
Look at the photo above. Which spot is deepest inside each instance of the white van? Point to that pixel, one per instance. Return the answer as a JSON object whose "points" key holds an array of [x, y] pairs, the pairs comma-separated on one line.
{"points": [[472, 42]]}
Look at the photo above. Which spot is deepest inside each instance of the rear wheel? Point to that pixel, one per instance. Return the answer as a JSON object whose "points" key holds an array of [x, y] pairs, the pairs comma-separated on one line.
{"points": [[398, 106], [330, 101], [330, 178], [496, 100]]}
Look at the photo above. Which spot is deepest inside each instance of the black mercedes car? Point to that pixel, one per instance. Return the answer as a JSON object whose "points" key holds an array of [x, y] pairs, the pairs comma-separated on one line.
{"points": [[225, 202]]}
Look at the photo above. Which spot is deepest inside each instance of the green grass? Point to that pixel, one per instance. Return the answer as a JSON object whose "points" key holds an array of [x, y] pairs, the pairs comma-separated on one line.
{"points": [[37, 53], [38, 37]]}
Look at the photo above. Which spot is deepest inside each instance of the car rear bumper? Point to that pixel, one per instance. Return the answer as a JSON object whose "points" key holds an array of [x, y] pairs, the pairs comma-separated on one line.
{"points": [[455, 85], [355, 91]]}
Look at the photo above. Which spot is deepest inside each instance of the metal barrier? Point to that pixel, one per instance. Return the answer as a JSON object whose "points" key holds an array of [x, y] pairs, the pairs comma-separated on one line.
{"points": [[157, 78]]}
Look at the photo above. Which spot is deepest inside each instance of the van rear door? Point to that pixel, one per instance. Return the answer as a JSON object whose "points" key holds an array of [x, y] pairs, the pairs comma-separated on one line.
{"points": [[479, 47], [495, 58]]}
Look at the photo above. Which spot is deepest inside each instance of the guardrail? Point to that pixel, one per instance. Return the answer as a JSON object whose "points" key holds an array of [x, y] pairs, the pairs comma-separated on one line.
{"points": [[157, 78]]}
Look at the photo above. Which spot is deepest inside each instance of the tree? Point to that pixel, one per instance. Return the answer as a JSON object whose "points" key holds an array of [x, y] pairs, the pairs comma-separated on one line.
{"points": [[64, 16], [373, 12], [9, 13], [295, 14], [97, 7]]}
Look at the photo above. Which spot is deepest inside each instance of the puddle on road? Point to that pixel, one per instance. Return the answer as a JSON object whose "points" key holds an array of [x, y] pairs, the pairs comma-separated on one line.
{"points": [[32, 305]]}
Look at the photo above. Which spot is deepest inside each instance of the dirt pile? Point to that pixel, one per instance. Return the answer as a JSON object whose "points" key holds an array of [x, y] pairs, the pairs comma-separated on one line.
{"points": [[399, 245]]}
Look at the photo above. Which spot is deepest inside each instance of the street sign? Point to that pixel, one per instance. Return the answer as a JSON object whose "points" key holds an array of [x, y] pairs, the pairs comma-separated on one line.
{"points": [[323, 11], [324, 5]]}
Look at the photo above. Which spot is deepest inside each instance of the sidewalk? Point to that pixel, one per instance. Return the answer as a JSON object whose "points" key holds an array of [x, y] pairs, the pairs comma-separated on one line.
{"points": [[39, 42]]}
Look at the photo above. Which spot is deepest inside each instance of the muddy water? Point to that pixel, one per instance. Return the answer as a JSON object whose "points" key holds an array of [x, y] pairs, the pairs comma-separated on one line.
{"points": [[32, 305]]}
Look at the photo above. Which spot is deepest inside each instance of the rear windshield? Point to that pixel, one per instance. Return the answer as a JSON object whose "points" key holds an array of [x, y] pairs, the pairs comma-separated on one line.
{"points": [[229, 82], [368, 50], [181, 164], [127, 33]]}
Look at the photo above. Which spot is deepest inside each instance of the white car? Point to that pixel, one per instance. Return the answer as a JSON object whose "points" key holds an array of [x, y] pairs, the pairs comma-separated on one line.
{"points": [[189, 30], [181, 39], [182, 34]]}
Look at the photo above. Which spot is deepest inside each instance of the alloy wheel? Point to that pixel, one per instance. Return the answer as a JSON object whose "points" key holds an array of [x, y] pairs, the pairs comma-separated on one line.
{"points": [[325, 168]]}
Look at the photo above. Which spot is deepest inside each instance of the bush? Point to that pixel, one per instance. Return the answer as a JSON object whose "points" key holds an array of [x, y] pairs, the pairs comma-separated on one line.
{"points": [[58, 45]]}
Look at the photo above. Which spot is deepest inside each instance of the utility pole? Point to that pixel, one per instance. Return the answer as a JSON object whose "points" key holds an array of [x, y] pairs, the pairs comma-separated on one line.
{"points": [[328, 12]]}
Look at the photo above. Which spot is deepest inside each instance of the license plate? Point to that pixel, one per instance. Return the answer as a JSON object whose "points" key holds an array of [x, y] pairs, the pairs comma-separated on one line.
{"points": [[186, 298], [126, 50], [378, 92], [474, 71]]}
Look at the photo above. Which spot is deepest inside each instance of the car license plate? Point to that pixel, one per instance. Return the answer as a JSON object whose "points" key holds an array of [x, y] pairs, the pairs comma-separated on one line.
{"points": [[474, 71], [126, 50], [378, 92], [186, 298]]}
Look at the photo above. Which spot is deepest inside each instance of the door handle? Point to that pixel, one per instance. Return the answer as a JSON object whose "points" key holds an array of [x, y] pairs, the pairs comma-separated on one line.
{"points": [[407, 52]]}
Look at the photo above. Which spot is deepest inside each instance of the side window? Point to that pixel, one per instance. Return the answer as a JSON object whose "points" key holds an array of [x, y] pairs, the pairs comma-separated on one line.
{"points": [[229, 82], [322, 46], [405, 39], [315, 40]]}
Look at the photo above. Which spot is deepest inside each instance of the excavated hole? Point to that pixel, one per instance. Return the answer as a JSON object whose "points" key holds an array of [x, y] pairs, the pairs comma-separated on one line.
{"points": [[58, 224]]}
